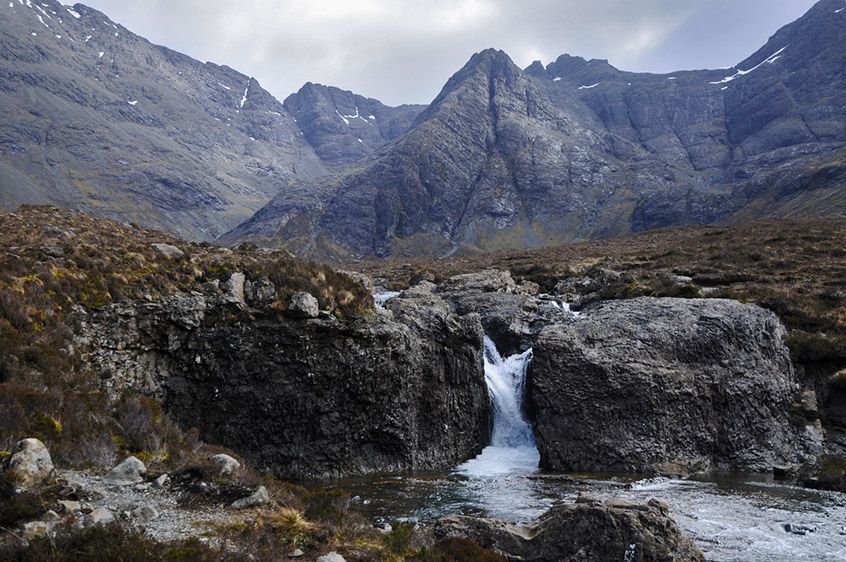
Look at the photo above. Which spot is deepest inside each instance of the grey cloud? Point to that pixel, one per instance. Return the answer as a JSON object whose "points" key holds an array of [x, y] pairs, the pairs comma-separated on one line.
{"points": [[402, 51]]}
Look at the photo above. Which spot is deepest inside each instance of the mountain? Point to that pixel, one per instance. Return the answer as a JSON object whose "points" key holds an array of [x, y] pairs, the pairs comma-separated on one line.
{"points": [[93, 117], [507, 158], [344, 127]]}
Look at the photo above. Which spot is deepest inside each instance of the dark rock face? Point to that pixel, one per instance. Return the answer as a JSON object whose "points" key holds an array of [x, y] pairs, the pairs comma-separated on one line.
{"points": [[403, 390], [574, 533], [95, 118], [506, 158], [665, 384], [344, 127]]}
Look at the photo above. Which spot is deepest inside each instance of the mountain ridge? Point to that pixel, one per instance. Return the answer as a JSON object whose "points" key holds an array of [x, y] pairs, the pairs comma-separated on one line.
{"points": [[100, 120], [579, 150]]}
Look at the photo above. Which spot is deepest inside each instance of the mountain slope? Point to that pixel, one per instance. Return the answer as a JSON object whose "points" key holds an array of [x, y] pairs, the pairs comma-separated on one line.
{"points": [[95, 118], [505, 158], [344, 127]]}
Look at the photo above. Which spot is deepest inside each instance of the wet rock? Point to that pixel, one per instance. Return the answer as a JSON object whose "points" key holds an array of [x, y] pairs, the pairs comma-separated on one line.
{"points": [[257, 498], [798, 529], [128, 472], [586, 498], [228, 465], [303, 305], [634, 385], [168, 250], [31, 464], [579, 532], [785, 472]]}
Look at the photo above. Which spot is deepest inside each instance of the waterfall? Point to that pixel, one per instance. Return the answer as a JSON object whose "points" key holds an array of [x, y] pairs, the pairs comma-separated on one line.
{"points": [[506, 380], [512, 446]]}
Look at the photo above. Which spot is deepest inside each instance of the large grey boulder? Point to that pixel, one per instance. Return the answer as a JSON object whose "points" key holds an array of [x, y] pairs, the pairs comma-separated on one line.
{"points": [[303, 305], [168, 250], [257, 498], [581, 532], [664, 384], [130, 471], [31, 464], [228, 465]]}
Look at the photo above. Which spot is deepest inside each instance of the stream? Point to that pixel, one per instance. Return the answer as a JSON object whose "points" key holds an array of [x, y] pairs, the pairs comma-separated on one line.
{"points": [[733, 517]]}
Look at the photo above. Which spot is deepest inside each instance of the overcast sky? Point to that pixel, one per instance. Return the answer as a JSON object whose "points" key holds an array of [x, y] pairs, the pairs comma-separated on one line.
{"points": [[403, 51]]}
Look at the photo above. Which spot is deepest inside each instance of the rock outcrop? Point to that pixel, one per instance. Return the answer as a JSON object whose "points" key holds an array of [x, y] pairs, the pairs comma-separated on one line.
{"points": [[580, 532], [31, 464], [397, 390], [664, 384]]}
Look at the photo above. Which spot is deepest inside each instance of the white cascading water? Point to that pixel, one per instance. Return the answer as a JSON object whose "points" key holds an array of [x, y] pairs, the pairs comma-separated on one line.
{"points": [[512, 448]]}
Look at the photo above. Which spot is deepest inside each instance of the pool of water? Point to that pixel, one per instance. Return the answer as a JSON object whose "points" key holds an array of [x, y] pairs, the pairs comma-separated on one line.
{"points": [[731, 517]]}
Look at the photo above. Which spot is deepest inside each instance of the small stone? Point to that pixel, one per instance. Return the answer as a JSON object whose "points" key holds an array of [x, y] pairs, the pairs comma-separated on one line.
{"points": [[161, 481], [144, 514], [303, 305], [70, 506], [50, 517], [31, 464], [586, 498], [168, 250], [99, 517], [228, 465], [331, 557], [126, 473], [296, 554], [259, 497], [799, 529], [53, 252]]}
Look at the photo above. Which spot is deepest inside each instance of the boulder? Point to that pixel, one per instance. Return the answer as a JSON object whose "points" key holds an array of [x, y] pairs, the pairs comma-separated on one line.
{"points": [[331, 398], [234, 288], [488, 281], [643, 384], [128, 472], [36, 529], [168, 250], [144, 514], [100, 517], [303, 305], [161, 481], [331, 557], [257, 498], [228, 465], [581, 532], [31, 464], [261, 292], [70, 506]]}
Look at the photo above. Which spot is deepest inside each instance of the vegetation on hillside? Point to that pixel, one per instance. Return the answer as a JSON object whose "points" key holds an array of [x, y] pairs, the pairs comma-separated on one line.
{"points": [[796, 268]]}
